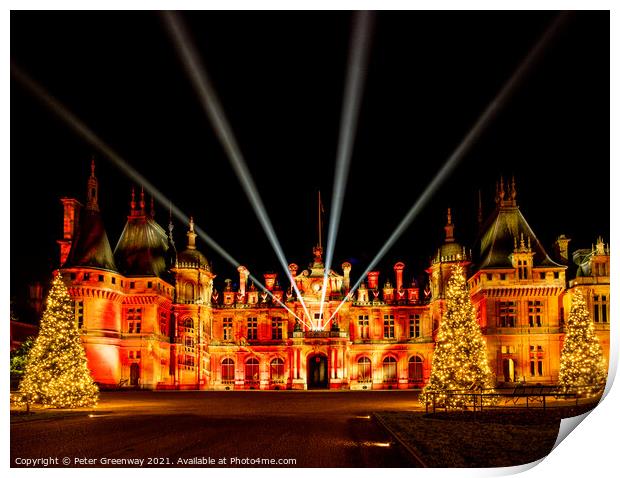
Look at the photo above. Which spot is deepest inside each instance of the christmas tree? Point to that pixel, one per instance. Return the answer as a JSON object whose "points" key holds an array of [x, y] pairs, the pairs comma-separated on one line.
{"points": [[460, 358], [56, 372], [582, 365]]}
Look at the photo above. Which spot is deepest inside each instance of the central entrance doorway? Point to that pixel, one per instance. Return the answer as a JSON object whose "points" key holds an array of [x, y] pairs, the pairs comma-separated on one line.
{"points": [[317, 371]]}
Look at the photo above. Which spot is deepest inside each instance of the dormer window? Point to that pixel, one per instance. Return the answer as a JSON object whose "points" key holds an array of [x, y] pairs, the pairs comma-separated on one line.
{"points": [[522, 268]]}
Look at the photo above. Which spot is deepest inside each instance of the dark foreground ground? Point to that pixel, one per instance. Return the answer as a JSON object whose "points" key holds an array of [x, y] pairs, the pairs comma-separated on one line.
{"points": [[315, 429], [484, 439]]}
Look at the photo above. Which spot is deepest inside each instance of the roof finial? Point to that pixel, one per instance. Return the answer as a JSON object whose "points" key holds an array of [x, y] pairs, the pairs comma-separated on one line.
{"points": [[93, 188], [513, 189], [133, 201], [321, 211], [191, 235], [142, 203], [502, 193], [522, 243], [152, 207], [449, 228], [479, 208], [529, 244]]}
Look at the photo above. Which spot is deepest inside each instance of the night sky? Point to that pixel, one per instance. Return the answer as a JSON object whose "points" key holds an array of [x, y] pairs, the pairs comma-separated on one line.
{"points": [[280, 77]]}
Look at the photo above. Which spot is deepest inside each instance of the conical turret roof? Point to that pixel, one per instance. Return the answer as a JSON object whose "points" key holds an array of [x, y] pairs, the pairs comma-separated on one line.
{"points": [[90, 247], [143, 245]]}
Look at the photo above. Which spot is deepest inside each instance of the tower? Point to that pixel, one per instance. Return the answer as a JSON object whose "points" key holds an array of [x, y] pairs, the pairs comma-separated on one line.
{"points": [[89, 270], [448, 254], [193, 279]]}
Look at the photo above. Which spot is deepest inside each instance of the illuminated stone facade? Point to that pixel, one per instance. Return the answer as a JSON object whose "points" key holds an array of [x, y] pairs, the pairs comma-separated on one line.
{"points": [[151, 318]]}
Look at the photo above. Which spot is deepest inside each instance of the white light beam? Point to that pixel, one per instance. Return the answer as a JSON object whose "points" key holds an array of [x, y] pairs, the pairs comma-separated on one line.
{"points": [[354, 87], [215, 112], [87, 134], [466, 143]]}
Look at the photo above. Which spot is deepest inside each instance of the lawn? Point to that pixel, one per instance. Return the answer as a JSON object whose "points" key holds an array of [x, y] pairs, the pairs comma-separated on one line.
{"points": [[483, 439]]}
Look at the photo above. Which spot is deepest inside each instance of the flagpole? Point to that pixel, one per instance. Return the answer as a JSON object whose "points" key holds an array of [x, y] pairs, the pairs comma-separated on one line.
{"points": [[320, 242]]}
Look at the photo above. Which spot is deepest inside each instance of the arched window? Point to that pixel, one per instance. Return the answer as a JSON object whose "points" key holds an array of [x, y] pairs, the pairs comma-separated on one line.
{"points": [[415, 369], [228, 370], [364, 370], [189, 293], [389, 369], [252, 370], [276, 370], [189, 323]]}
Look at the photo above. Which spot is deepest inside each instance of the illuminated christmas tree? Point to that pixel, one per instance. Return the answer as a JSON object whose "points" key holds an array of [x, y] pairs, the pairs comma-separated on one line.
{"points": [[582, 365], [56, 372], [460, 358]]}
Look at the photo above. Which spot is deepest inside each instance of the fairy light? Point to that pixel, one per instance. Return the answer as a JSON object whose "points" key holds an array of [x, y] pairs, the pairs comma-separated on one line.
{"points": [[582, 366], [460, 358], [57, 373]]}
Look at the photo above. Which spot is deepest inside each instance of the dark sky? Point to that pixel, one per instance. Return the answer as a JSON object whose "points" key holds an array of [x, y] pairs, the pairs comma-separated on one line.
{"points": [[280, 77]]}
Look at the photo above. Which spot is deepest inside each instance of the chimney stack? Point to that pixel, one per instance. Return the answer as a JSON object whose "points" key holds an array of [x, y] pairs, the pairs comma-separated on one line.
{"points": [[398, 271]]}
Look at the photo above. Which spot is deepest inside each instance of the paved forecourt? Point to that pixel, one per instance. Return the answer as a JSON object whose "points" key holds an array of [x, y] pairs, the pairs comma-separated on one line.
{"points": [[260, 428]]}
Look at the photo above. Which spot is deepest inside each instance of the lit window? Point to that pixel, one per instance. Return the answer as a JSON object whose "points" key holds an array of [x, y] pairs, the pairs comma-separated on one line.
{"points": [[134, 320], [388, 326], [414, 326], [252, 370], [535, 313], [79, 313], [227, 328], [276, 370], [364, 370], [252, 328], [163, 323], [415, 369], [389, 369], [362, 322], [597, 315], [228, 370], [507, 313], [276, 328]]}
